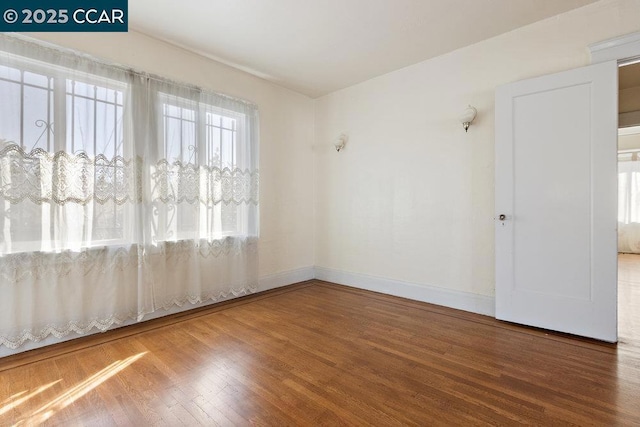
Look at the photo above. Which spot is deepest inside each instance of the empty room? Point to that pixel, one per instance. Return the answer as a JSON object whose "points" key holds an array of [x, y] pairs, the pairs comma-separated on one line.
{"points": [[301, 213]]}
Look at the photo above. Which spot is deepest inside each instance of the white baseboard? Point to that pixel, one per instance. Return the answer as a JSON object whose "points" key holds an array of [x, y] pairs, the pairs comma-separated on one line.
{"points": [[466, 301], [285, 278]]}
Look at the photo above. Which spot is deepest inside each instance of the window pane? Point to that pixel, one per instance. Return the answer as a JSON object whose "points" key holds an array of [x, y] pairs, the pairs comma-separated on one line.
{"points": [[213, 146], [188, 114], [105, 129], [81, 124], [228, 123], [171, 111], [227, 149], [119, 129], [36, 125], [104, 94], [36, 79], [94, 120], [213, 119], [10, 111], [172, 137], [188, 142], [84, 89], [180, 129], [9, 73]]}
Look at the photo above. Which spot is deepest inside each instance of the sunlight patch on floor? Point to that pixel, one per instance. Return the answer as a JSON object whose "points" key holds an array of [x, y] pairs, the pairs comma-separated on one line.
{"points": [[68, 397], [15, 403]]}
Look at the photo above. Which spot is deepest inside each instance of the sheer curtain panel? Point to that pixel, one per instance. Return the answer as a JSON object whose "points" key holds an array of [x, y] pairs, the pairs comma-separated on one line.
{"points": [[628, 202], [121, 194]]}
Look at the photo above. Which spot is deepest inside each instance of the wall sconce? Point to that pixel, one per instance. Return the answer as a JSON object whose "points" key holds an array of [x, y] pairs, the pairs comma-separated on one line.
{"points": [[340, 142], [467, 117]]}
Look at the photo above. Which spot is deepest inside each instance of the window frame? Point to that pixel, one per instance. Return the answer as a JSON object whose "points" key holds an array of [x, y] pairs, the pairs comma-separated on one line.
{"points": [[201, 109], [57, 127]]}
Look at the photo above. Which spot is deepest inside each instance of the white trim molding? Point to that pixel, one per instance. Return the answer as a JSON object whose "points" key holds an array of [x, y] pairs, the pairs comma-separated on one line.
{"points": [[475, 303], [285, 278], [624, 48]]}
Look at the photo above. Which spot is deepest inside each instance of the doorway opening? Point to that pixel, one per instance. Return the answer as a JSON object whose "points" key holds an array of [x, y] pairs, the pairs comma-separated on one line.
{"points": [[629, 203]]}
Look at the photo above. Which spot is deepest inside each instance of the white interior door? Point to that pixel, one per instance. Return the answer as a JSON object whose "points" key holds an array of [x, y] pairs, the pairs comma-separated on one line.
{"points": [[556, 254]]}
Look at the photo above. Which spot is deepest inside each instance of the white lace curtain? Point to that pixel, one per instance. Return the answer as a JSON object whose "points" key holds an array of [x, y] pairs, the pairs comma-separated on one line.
{"points": [[120, 194], [629, 203]]}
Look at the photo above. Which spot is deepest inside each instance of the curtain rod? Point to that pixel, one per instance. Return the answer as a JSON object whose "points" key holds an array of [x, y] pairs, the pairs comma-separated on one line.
{"points": [[120, 67]]}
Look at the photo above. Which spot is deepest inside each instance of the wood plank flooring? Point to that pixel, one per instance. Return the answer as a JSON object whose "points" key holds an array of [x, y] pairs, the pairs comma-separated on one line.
{"points": [[322, 354], [629, 298]]}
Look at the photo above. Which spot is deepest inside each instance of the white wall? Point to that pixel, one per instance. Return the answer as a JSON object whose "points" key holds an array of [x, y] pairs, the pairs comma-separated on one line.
{"points": [[410, 199], [286, 138]]}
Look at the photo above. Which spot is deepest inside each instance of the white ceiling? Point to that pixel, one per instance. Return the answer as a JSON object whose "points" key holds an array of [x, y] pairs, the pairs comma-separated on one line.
{"points": [[318, 46]]}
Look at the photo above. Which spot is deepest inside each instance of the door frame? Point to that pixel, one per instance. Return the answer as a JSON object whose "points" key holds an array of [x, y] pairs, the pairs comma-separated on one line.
{"points": [[624, 49]]}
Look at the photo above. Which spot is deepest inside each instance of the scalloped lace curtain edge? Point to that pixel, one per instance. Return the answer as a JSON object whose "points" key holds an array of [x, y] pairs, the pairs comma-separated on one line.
{"points": [[121, 194]]}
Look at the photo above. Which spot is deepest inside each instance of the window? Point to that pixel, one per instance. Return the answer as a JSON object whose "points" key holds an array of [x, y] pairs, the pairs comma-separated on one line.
{"points": [[77, 165], [628, 188], [222, 134], [202, 157], [65, 145], [26, 116], [121, 193]]}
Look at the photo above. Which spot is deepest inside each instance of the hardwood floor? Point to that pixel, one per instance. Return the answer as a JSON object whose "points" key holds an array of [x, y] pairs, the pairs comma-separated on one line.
{"points": [[323, 354], [629, 298]]}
